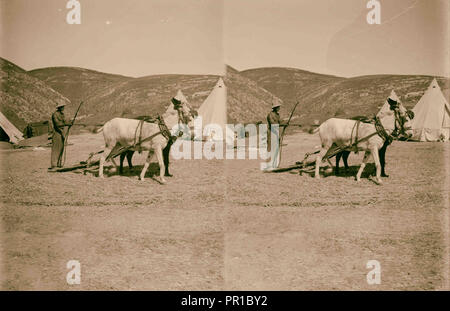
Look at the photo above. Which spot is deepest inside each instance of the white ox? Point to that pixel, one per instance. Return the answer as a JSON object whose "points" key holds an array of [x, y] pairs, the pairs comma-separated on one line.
{"points": [[342, 132], [121, 132]]}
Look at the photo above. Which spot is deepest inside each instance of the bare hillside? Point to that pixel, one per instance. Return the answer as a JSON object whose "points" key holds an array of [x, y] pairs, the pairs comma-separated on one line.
{"points": [[77, 83], [32, 96], [24, 98], [107, 96], [365, 95], [247, 100], [323, 96]]}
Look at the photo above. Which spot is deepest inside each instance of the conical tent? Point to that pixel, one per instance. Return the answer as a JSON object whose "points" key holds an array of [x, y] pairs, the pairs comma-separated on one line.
{"points": [[9, 131], [432, 116], [214, 111]]}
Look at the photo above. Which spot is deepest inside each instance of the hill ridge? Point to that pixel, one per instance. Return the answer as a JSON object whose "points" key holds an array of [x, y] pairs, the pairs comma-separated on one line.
{"points": [[251, 92]]}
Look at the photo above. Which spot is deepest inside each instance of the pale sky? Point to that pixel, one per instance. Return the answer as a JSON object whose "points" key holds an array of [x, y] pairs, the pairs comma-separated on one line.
{"points": [[132, 37], [333, 36], [144, 37]]}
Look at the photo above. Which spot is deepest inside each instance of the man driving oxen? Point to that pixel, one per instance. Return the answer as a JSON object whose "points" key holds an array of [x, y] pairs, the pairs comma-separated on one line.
{"points": [[273, 120], [58, 138]]}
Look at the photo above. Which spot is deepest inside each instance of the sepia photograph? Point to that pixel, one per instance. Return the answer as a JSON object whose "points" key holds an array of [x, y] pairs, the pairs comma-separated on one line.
{"points": [[225, 145]]}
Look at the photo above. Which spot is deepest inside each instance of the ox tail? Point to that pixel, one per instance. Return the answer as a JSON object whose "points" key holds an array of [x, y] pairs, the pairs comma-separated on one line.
{"points": [[99, 130]]}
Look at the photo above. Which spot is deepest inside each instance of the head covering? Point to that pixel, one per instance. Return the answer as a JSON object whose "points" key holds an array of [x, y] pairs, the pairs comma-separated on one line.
{"points": [[176, 102], [179, 99], [62, 104], [393, 103], [275, 105]]}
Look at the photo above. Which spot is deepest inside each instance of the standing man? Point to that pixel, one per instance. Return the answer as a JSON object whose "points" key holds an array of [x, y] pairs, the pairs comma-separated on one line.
{"points": [[58, 138], [273, 118]]}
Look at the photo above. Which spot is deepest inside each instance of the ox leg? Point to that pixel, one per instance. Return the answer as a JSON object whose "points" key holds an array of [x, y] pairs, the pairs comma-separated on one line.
{"points": [[103, 156], [376, 159], [329, 163], [122, 158], [382, 154], [338, 159], [166, 154], [162, 168], [129, 155], [147, 163], [345, 158], [322, 152], [129, 158], [116, 167], [363, 165]]}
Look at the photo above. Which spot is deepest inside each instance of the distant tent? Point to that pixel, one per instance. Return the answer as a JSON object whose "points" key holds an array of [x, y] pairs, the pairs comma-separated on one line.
{"points": [[37, 129], [432, 116], [214, 111], [8, 132]]}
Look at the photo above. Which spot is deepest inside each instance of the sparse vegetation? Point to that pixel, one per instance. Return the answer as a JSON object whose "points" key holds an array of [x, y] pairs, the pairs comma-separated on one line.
{"points": [[323, 96]]}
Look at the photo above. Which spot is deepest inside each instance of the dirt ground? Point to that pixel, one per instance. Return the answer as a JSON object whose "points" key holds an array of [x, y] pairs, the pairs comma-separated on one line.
{"points": [[224, 224]]}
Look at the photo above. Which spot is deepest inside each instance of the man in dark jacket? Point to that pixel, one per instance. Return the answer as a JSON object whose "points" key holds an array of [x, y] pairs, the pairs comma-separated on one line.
{"points": [[273, 118], [58, 138]]}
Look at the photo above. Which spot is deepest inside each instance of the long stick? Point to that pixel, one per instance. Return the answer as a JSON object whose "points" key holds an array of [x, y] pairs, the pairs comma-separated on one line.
{"points": [[67, 134], [284, 129]]}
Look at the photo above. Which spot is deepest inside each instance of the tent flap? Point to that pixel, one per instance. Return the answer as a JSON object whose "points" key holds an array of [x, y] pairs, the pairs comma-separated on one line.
{"points": [[13, 133]]}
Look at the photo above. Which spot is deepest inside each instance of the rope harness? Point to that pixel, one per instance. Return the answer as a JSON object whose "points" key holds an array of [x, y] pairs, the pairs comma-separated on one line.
{"points": [[356, 126], [138, 142], [381, 131], [163, 130]]}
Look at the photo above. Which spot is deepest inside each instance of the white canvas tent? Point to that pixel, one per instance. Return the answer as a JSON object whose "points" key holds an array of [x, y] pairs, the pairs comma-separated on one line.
{"points": [[14, 135], [214, 111], [432, 116]]}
